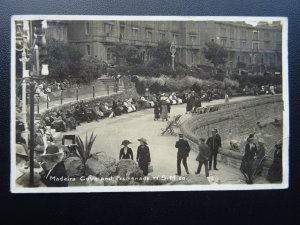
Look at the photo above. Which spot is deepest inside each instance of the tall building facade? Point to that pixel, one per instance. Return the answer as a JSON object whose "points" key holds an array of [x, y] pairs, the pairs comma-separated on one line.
{"points": [[251, 45]]}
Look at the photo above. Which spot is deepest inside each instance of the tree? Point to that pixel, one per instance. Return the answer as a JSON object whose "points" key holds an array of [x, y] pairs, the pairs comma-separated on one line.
{"points": [[63, 59], [161, 53], [90, 67], [132, 55], [215, 54], [118, 51], [126, 53]]}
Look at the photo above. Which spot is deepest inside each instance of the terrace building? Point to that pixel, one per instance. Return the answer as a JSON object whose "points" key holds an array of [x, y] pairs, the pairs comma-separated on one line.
{"points": [[246, 44]]}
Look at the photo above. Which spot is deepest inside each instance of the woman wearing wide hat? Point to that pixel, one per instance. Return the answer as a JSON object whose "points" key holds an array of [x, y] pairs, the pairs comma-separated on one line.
{"points": [[126, 152], [143, 156], [55, 174], [247, 165]]}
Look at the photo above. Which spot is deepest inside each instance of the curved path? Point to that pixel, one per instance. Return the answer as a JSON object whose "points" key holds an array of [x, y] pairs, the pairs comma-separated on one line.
{"points": [[111, 132]]}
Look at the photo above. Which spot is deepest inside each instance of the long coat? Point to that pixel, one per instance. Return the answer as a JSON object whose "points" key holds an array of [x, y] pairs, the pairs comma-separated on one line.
{"points": [[247, 165], [143, 158], [275, 172], [164, 111], [128, 155], [183, 148], [190, 103], [156, 111], [214, 142], [58, 171]]}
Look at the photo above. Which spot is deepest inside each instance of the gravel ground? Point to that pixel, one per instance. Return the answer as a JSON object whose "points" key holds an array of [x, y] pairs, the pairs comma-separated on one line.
{"points": [[111, 132]]}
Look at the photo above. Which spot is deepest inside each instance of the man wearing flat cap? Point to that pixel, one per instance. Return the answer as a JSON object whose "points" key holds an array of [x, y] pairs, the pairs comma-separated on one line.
{"points": [[126, 152], [214, 143], [182, 154]]}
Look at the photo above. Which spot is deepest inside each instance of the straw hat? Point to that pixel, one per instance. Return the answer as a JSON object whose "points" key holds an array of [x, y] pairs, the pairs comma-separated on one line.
{"points": [[143, 140], [202, 139]]}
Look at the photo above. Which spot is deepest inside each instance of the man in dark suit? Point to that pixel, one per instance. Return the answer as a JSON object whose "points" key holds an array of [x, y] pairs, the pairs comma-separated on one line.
{"points": [[126, 152], [182, 154], [54, 174], [214, 143]]}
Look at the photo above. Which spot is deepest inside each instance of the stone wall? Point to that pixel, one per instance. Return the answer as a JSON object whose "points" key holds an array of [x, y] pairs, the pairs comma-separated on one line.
{"points": [[234, 120]]}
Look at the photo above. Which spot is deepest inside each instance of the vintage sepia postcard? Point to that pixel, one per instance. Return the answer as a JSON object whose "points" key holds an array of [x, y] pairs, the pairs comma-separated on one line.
{"points": [[148, 103]]}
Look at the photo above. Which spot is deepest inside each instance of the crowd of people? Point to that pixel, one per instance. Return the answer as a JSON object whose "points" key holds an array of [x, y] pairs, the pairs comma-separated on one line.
{"points": [[64, 119], [162, 105], [49, 161]]}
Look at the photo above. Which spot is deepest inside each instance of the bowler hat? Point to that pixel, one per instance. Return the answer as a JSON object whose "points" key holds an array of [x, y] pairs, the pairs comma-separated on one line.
{"points": [[143, 140], [126, 142]]}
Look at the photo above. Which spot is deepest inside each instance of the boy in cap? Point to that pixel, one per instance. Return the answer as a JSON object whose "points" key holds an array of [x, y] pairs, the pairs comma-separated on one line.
{"points": [[203, 157], [182, 154]]}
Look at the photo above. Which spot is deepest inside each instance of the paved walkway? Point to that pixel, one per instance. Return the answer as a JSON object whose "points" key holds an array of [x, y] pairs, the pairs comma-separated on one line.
{"points": [[111, 132]]}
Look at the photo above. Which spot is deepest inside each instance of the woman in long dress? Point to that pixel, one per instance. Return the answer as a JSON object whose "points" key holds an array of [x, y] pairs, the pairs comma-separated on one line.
{"points": [[143, 156], [156, 111], [247, 165], [164, 110]]}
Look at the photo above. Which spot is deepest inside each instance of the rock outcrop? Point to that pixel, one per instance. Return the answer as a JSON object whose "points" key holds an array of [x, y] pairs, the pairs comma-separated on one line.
{"points": [[127, 168], [100, 165], [74, 166]]}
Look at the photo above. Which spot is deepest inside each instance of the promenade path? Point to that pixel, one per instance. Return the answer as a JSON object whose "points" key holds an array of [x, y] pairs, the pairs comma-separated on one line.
{"points": [[111, 132]]}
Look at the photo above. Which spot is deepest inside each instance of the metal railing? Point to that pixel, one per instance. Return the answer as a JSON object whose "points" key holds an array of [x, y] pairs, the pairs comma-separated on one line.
{"points": [[47, 100]]}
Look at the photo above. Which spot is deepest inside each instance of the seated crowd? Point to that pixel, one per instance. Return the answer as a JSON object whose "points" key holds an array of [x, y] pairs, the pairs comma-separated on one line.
{"points": [[69, 118]]}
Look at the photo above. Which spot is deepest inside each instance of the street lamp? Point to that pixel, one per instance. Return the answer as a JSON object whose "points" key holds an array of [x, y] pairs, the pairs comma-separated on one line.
{"points": [[173, 51], [28, 41]]}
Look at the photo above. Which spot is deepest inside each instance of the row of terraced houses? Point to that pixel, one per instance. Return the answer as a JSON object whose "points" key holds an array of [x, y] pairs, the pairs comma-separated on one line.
{"points": [[252, 45]]}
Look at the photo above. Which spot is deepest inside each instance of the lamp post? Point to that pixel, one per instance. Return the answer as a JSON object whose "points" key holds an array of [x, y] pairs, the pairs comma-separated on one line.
{"points": [[38, 102], [173, 51], [28, 37]]}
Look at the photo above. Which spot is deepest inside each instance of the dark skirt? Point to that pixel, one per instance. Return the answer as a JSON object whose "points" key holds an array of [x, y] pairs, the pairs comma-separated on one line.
{"points": [[144, 167]]}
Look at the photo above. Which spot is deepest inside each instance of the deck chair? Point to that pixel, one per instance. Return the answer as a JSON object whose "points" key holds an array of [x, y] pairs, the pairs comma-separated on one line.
{"points": [[169, 128], [177, 121], [200, 110]]}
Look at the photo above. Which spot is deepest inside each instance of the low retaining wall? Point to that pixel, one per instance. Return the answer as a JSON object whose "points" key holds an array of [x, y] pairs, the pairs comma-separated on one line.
{"points": [[129, 93], [236, 119]]}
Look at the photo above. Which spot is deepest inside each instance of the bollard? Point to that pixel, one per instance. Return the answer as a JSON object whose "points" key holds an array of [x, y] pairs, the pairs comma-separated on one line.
{"points": [[38, 105], [76, 94], [107, 89], [93, 91], [61, 97], [47, 101]]}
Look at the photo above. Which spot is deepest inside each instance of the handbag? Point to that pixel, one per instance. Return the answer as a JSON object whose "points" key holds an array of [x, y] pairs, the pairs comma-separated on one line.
{"points": [[150, 169]]}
